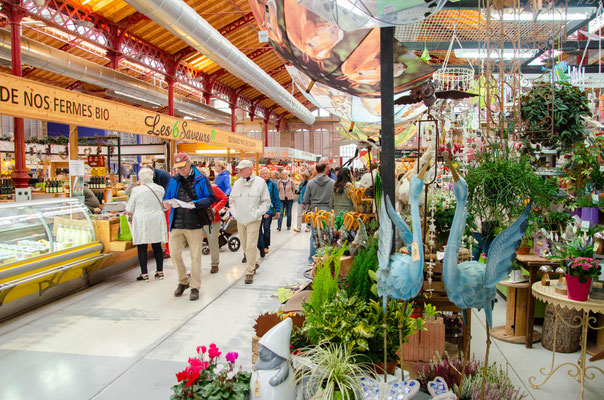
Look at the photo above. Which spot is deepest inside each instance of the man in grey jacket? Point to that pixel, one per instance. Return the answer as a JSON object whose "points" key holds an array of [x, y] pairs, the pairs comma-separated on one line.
{"points": [[317, 194]]}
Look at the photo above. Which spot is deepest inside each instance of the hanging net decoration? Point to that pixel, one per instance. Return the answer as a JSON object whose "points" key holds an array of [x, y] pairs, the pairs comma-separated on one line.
{"points": [[454, 77]]}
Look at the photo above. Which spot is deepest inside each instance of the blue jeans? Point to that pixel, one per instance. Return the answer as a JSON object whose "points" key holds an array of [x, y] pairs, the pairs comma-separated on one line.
{"points": [[287, 209], [264, 237], [313, 247]]}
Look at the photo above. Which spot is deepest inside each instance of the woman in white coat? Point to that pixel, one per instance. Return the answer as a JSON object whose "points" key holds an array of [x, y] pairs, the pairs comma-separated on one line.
{"points": [[148, 222]]}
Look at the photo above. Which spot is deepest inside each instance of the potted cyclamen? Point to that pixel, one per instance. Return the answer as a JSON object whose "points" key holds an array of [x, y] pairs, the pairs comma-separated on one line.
{"points": [[208, 379], [580, 271]]}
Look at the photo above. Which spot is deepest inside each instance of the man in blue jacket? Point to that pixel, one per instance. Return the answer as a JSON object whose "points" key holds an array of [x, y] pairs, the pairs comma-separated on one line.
{"points": [[190, 186], [264, 238]]}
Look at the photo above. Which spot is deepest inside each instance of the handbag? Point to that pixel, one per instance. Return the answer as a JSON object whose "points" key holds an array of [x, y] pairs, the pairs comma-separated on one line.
{"points": [[207, 214], [124, 234], [161, 205]]}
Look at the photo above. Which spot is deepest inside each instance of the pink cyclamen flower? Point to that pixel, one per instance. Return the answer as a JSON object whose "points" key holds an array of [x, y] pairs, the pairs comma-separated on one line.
{"points": [[214, 352], [201, 349], [213, 346], [231, 357]]}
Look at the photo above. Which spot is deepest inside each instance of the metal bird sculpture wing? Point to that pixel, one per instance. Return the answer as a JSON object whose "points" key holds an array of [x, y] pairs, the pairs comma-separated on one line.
{"points": [[428, 94]]}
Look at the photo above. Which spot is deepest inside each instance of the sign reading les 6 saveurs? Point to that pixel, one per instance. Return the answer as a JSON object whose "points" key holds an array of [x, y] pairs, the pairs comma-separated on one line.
{"points": [[21, 97]]}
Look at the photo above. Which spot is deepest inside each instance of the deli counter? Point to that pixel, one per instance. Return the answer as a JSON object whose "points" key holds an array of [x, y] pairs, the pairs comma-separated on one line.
{"points": [[47, 248]]}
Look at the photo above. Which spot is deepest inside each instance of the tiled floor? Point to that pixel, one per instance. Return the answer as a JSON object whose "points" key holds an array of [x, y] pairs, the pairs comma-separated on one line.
{"points": [[125, 340]]}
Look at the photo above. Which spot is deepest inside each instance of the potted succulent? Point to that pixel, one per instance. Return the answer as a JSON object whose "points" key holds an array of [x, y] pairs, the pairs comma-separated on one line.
{"points": [[580, 272], [206, 378]]}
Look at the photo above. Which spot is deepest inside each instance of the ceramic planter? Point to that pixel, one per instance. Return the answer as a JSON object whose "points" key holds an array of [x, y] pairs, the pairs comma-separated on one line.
{"points": [[578, 291]]}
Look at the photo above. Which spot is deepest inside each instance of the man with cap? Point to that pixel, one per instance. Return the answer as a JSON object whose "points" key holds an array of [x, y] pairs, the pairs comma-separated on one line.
{"points": [[190, 186], [249, 201]]}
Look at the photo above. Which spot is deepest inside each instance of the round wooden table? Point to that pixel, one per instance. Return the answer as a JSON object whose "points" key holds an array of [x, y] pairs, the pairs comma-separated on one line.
{"points": [[578, 370]]}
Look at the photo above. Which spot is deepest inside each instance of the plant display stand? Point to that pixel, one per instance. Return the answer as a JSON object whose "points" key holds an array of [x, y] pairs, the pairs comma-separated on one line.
{"points": [[515, 328], [578, 370]]}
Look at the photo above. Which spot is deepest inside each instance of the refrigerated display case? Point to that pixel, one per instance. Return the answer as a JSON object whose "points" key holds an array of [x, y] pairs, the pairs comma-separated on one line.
{"points": [[44, 244]]}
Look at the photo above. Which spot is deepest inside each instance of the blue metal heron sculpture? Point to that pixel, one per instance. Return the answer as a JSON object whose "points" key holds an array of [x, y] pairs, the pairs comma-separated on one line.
{"points": [[400, 276], [471, 284]]}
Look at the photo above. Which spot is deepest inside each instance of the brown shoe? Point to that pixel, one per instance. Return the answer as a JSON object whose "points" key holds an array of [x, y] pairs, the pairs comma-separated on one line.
{"points": [[180, 289], [166, 256], [266, 251], [249, 279], [256, 268], [194, 295], [214, 269], [296, 230]]}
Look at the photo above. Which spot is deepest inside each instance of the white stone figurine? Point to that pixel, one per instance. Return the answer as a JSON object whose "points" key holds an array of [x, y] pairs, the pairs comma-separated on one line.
{"points": [[439, 390], [273, 377]]}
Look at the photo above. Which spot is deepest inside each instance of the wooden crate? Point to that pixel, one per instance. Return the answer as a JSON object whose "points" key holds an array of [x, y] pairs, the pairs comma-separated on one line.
{"points": [[423, 345]]}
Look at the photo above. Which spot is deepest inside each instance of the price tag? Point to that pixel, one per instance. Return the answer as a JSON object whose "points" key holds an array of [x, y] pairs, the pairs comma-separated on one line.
{"points": [[595, 198], [76, 168], [440, 255], [257, 390], [414, 251], [585, 226], [601, 168]]}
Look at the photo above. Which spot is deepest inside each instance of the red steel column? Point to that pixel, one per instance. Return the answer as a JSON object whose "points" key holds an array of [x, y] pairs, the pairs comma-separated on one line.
{"points": [[20, 177], [266, 132], [233, 119]]}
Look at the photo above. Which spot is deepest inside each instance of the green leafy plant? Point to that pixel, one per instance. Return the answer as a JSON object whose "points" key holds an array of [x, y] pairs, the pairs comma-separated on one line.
{"points": [[357, 282], [553, 115], [208, 379], [499, 185], [582, 166], [397, 313], [325, 282], [332, 372], [340, 321]]}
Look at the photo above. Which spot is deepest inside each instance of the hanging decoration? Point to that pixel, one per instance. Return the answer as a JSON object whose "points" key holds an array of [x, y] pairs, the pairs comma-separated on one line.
{"points": [[346, 61], [351, 15]]}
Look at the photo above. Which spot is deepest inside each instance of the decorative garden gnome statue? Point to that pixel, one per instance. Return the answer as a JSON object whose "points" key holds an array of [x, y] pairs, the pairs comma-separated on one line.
{"points": [[273, 377]]}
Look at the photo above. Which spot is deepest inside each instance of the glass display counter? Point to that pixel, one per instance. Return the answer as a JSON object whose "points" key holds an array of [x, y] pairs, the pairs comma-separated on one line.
{"points": [[36, 228]]}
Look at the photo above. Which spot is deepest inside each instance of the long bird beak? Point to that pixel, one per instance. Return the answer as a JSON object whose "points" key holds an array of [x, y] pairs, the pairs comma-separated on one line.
{"points": [[425, 168], [452, 168]]}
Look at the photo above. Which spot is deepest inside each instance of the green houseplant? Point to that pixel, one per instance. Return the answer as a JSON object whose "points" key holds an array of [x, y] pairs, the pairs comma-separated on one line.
{"points": [[554, 114], [331, 372]]}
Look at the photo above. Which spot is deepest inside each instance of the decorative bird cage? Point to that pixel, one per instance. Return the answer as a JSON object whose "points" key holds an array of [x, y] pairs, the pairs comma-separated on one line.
{"points": [[452, 77]]}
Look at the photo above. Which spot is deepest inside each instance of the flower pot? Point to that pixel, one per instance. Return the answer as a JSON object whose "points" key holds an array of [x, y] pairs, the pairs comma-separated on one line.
{"points": [[577, 291], [390, 367], [524, 250], [590, 214]]}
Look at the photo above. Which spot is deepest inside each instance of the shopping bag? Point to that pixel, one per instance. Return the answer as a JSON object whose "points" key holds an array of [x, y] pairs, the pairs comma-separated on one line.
{"points": [[124, 233]]}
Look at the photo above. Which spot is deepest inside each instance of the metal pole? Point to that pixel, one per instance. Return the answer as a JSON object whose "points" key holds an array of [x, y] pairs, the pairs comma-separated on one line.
{"points": [[15, 15]]}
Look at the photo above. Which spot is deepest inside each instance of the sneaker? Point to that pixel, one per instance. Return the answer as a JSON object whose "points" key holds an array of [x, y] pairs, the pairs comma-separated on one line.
{"points": [[214, 269], [279, 229], [249, 279], [143, 277], [159, 275], [194, 295], [307, 229], [244, 260], [180, 289], [296, 230]]}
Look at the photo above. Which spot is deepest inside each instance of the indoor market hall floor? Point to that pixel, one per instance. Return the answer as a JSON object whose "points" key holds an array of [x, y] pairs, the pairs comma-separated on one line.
{"points": [[123, 339]]}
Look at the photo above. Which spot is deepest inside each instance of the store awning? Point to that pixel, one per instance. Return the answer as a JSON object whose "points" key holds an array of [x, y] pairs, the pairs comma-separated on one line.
{"points": [[288, 153], [20, 97]]}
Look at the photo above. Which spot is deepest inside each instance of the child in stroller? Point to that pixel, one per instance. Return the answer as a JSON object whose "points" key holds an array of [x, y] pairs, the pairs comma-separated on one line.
{"points": [[226, 235]]}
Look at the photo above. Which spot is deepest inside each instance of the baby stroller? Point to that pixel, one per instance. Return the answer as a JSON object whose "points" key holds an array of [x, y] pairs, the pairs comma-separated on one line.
{"points": [[226, 235]]}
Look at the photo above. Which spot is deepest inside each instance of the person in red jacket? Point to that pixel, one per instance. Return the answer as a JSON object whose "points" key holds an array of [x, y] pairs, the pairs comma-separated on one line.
{"points": [[211, 231]]}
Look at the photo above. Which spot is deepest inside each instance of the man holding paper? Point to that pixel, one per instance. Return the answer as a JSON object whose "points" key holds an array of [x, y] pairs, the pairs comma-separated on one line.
{"points": [[188, 191]]}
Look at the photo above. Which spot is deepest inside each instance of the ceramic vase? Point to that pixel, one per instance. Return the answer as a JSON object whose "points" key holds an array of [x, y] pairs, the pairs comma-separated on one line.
{"points": [[577, 291]]}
